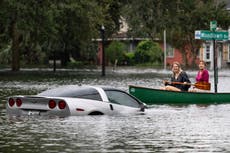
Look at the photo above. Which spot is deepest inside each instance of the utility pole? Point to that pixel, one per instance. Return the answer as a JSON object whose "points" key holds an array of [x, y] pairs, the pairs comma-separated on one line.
{"points": [[165, 50], [103, 51]]}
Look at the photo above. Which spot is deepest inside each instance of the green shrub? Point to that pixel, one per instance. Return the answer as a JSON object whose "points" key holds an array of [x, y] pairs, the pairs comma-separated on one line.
{"points": [[148, 52], [115, 51], [129, 58]]}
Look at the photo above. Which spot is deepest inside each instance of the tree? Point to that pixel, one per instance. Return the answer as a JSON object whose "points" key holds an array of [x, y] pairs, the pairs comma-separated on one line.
{"points": [[25, 23], [148, 18], [62, 27]]}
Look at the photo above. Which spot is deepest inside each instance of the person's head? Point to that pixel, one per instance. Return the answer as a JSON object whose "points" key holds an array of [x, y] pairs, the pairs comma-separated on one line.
{"points": [[202, 65], [176, 68]]}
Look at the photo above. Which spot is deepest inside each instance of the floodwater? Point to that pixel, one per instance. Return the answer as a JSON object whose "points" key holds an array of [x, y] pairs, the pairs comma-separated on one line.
{"points": [[163, 128]]}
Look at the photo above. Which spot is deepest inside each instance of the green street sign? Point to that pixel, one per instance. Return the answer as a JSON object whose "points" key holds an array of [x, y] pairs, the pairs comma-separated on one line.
{"points": [[213, 25], [211, 35]]}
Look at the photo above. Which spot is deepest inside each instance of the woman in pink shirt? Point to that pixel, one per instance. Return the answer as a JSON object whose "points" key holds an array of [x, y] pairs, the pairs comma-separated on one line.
{"points": [[202, 75]]}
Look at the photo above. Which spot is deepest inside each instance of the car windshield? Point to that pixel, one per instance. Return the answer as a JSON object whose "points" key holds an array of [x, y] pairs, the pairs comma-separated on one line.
{"points": [[73, 92], [122, 98]]}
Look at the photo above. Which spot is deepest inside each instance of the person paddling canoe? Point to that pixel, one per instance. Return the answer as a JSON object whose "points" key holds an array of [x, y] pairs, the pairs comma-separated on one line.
{"points": [[180, 77], [202, 77]]}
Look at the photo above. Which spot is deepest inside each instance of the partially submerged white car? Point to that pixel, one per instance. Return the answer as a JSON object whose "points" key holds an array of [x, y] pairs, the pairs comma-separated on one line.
{"points": [[75, 100]]}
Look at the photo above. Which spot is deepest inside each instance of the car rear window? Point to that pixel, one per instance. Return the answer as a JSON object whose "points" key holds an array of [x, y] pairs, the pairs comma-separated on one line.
{"points": [[73, 92]]}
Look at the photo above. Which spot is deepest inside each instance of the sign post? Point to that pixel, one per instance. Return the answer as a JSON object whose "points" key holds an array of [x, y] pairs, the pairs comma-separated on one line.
{"points": [[213, 25], [215, 65], [213, 35]]}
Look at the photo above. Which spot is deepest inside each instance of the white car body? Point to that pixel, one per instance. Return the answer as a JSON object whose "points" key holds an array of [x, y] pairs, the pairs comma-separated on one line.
{"points": [[76, 100]]}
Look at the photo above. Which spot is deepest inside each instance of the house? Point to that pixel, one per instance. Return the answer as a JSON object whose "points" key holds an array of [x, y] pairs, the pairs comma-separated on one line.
{"points": [[205, 53], [223, 53]]}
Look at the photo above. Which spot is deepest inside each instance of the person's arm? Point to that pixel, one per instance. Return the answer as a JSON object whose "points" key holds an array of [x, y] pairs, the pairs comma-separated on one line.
{"points": [[172, 79], [186, 79], [197, 77], [166, 83]]}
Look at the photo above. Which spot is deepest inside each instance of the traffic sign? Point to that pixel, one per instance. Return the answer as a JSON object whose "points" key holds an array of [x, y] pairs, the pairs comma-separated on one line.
{"points": [[213, 25], [211, 35], [229, 34]]}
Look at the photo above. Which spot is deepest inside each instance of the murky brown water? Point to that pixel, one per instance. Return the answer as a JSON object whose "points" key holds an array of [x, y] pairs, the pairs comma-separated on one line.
{"points": [[163, 128]]}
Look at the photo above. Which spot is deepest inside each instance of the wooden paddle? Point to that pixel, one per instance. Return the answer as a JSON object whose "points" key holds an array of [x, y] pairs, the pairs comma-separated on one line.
{"points": [[198, 85]]}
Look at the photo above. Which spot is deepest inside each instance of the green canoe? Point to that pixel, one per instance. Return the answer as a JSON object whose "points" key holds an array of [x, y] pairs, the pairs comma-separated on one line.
{"points": [[157, 96]]}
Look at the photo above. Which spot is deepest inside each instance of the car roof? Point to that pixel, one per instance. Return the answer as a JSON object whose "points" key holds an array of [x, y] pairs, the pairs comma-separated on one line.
{"points": [[68, 89]]}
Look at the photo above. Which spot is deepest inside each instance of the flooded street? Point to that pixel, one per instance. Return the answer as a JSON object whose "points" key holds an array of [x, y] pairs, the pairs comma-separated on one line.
{"points": [[163, 128]]}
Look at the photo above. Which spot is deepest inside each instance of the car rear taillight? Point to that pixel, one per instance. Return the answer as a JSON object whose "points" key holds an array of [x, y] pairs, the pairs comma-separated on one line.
{"points": [[52, 104], [62, 104], [18, 102], [11, 102]]}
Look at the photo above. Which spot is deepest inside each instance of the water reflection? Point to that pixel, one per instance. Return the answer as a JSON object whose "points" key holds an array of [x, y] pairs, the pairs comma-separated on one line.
{"points": [[192, 128]]}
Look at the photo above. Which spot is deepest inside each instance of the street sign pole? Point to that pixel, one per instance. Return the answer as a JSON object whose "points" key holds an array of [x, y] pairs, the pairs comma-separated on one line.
{"points": [[213, 26], [165, 50], [103, 50], [215, 65]]}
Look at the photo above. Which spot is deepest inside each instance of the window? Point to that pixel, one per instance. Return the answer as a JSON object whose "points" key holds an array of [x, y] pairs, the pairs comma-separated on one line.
{"points": [[92, 96], [169, 51], [226, 48], [207, 52], [122, 98]]}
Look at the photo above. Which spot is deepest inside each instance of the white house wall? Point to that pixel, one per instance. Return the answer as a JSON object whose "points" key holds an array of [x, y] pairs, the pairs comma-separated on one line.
{"points": [[223, 51]]}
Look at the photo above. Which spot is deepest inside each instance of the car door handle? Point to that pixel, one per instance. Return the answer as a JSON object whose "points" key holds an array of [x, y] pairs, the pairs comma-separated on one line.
{"points": [[111, 106]]}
